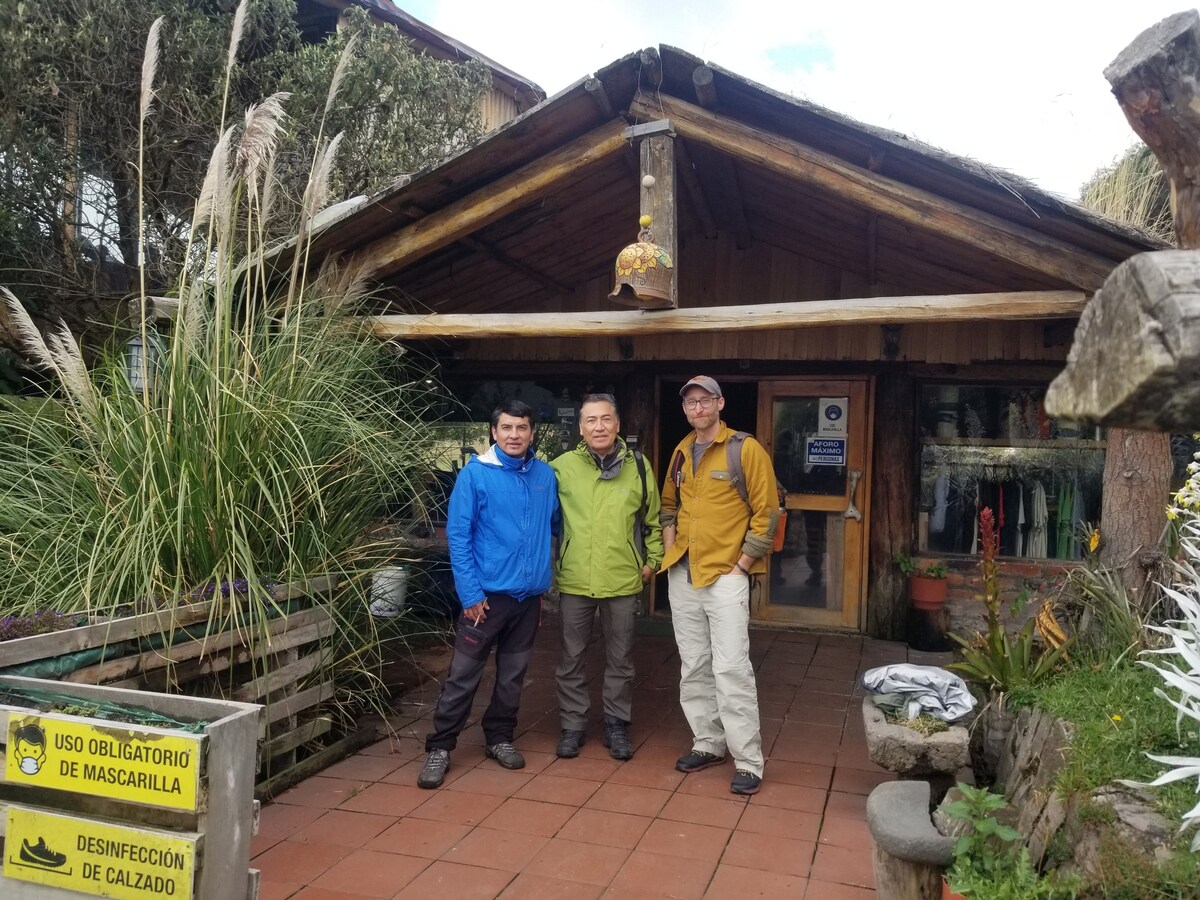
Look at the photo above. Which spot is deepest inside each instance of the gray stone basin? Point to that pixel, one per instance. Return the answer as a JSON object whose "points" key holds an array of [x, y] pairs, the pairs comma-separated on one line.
{"points": [[901, 750]]}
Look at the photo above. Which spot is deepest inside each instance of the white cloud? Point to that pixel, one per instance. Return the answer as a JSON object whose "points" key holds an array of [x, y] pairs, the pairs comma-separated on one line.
{"points": [[1018, 85]]}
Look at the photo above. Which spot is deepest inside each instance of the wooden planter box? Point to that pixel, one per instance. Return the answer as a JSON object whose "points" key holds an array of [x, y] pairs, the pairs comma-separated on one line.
{"points": [[94, 807], [202, 664]]}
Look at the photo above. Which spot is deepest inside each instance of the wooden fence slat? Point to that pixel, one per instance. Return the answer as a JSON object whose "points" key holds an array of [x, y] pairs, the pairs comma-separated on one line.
{"points": [[71, 640], [291, 705], [189, 670], [281, 677], [297, 736], [185, 650]]}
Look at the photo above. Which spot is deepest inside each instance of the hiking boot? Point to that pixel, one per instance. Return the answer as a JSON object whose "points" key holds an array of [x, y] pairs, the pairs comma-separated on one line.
{"points": [[697, 760], [433, 773], [616, 738], [505, 754], [569, 743], [745, 782]]}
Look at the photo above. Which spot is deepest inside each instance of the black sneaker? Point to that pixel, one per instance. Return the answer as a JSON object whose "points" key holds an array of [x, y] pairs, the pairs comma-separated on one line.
{"points": [[505, 754], [569, 743], [40, 855], [697, 760], [616, 738], [745, 782], [433, 773]]}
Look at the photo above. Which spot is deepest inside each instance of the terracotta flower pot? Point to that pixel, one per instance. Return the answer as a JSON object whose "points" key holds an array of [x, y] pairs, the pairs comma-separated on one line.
{"points": [[927, 593], [948, 894]]}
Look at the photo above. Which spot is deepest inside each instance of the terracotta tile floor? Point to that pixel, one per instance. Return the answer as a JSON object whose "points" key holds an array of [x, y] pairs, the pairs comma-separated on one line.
{"points": [[593, 827]]}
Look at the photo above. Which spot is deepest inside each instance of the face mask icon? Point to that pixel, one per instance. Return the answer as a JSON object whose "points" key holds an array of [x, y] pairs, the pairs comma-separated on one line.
{"points": [[29, 746]]}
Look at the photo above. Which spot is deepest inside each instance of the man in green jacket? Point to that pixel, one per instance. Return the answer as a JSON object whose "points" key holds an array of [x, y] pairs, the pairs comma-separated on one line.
{"points": [[611, 545]]}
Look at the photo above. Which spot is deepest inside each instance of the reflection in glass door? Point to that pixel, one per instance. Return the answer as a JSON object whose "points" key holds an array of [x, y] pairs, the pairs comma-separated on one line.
{"points": [[816, 433]]}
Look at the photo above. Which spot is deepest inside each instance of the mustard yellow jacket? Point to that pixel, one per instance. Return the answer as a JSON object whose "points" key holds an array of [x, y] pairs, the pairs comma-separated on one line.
{"points": [[714, 526]]}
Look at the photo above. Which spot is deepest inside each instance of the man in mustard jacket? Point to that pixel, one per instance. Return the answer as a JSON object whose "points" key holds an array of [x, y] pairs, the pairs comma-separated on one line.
{"points": [[610, 546], [714, 541]]}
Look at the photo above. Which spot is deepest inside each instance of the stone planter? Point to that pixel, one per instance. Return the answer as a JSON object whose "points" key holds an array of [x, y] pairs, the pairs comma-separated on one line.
{"points": [[911, 755]]}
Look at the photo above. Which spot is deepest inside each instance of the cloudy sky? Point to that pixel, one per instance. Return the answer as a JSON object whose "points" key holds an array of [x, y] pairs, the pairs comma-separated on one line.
{"points": [[1018, 85]]}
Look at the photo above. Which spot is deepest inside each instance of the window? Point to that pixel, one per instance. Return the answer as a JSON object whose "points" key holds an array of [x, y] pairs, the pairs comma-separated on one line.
{"points": [[994, 446]]}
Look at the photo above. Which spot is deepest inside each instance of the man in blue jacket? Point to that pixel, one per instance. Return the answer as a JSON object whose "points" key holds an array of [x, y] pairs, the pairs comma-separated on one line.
{"points": [[502, 511]]}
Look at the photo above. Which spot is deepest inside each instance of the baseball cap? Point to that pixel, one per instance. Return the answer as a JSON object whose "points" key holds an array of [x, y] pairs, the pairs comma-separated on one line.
{"points": [[709, 384]]}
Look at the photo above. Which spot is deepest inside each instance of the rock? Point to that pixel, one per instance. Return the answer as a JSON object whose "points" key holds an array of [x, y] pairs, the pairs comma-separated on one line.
{"points": [[904, 751], [898, 815]]}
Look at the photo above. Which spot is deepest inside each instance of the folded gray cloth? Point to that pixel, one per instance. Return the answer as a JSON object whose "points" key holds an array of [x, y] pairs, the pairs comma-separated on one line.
{"points": [[912, 691]]}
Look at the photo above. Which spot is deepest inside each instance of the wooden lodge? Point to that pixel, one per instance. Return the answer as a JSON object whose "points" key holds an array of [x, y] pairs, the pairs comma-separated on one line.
{"points": [[885, 317]]}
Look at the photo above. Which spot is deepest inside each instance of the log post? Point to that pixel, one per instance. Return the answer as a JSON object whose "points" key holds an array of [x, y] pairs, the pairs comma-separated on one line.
{"points": [[891, 505], [1155, 80], [657, 190]]}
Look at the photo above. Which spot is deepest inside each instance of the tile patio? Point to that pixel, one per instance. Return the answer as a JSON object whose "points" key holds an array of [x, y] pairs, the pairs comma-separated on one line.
{"points": [[591, 826]]}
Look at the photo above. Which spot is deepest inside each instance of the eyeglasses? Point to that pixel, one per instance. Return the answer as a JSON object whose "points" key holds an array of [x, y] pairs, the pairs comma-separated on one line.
{"points": [[701, 402]]}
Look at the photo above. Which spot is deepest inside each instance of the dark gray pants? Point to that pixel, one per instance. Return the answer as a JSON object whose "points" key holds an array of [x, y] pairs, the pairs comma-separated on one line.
{"points": [[617, 621], [510, 627]]}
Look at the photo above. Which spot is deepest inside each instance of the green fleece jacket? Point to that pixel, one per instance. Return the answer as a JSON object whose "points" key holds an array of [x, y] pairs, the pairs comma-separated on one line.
{"points": [[600, 553]]}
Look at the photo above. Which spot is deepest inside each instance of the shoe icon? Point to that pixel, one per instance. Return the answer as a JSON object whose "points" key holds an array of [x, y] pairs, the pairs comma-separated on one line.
{"points": [[40, 855]]}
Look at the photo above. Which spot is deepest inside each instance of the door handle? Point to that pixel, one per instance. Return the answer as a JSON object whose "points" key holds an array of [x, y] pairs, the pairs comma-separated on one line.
{"points": [[852, 511]]}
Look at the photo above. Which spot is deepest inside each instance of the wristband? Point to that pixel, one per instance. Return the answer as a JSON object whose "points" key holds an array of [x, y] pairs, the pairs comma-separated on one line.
{"points": [[739, 565]]}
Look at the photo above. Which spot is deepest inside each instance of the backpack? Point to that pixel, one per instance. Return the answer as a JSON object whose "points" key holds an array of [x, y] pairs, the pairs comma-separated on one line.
{"points": [[733, 463], [737, 478]]}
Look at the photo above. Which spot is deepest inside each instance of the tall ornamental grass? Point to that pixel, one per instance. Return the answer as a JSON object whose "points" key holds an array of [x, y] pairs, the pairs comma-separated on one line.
{"points": [[260, 445]]}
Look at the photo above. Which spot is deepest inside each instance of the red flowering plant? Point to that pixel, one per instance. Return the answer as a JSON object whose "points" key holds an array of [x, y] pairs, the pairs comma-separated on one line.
{"points": [[995, 660]]}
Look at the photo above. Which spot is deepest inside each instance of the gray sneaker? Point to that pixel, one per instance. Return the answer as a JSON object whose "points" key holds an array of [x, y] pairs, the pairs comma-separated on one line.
{"points": [[505, 754], [433, 773], [569, 743]]}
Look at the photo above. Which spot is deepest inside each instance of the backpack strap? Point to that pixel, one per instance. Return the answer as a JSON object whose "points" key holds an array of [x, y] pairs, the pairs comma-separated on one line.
{"points": [[641, 467], [639, 521], [733, 462]]}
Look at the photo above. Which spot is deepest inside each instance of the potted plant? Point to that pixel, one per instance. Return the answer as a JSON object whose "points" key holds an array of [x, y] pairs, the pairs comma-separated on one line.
{"points": [[927, 586]]}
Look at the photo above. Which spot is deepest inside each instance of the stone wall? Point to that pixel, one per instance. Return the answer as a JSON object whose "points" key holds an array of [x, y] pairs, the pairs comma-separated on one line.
{"points": [[1022, 755]]}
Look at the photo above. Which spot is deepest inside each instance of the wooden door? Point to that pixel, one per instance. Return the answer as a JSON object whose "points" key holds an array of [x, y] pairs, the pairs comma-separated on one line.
{"points": [[817, 432]]}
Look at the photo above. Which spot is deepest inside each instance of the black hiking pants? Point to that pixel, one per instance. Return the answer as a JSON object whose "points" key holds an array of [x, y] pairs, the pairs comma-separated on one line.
{"points": [[510, 627]]}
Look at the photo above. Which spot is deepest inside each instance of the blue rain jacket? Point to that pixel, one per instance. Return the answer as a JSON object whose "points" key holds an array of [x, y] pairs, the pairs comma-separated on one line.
{"points": [[502, 513]]}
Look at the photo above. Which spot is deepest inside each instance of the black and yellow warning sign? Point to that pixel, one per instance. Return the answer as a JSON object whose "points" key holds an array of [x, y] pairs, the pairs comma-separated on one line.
{"points": [[98, 858], [135, 763]]}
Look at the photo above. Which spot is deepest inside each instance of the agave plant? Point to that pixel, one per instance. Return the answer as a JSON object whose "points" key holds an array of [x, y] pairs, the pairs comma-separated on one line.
{"points": [[1180, 669], [258, 447]]}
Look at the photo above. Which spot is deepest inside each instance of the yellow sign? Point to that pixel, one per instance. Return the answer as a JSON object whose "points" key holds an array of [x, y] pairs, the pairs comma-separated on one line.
{"points": [[135, 763], [97, 858]]}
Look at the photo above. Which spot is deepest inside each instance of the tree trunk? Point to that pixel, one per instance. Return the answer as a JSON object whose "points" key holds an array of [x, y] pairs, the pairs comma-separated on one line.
{"points": [[1137, 484]]}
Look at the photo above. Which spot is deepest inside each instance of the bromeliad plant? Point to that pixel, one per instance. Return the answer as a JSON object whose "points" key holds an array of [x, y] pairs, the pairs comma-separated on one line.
{"points": [[994, 659], [260, 446]]}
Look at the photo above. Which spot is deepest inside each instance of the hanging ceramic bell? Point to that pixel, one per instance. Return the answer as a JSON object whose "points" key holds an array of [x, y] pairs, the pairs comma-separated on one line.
{"points": [[643, 272]]}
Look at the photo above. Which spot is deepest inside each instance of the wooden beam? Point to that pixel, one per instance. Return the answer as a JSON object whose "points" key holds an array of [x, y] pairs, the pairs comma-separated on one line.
{"points": [[595, 90], [1156, 80], [476, 245], [391, 253], [762, 317], [695, 191], [706, 90], [651, 70], [914, 206]]}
